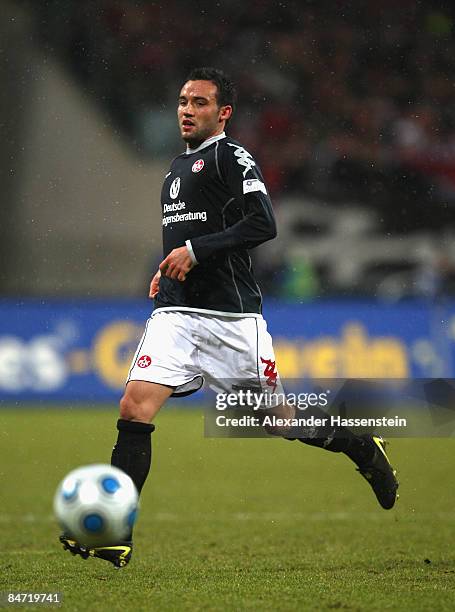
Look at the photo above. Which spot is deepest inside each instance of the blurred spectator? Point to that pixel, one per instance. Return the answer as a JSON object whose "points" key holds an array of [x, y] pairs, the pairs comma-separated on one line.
{"points": [[344, 102], [366, 86]]}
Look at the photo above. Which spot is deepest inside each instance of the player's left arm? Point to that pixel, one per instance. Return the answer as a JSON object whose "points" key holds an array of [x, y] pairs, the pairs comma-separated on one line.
{"points": [[244, 179]]}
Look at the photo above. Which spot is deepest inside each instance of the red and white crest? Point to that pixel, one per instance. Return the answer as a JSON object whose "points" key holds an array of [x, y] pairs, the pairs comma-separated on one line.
{"points": [[144, 361], [198, 165], [270, 373]]}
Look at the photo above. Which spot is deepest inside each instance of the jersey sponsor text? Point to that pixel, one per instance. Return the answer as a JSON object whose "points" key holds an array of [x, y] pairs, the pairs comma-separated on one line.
{"points": [[200, 215]]}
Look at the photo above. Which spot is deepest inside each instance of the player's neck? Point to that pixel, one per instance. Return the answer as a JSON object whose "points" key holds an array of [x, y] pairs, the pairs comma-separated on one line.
{"points": [[205, 143]]}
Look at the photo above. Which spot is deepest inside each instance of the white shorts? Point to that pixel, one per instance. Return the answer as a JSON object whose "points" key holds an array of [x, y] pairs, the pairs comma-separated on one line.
{"points": [[185, 349]]}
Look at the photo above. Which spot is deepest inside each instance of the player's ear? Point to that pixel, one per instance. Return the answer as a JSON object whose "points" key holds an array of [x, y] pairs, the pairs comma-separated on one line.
{"points": [[225, 113]]}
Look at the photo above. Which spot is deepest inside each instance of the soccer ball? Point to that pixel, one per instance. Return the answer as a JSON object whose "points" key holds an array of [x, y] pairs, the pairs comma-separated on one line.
{"points": [[96, 505]]}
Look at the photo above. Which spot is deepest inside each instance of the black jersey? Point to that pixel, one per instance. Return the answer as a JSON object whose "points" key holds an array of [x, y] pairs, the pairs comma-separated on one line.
{"points": [[214, 200]]}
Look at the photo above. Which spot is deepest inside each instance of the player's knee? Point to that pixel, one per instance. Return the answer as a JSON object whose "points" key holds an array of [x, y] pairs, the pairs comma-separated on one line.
{"points": [[281, 425], [141, 401], [129, 409], [141, 409]]}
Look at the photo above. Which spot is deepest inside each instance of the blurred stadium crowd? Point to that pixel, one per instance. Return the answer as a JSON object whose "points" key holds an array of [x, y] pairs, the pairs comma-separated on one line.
{"points": [[350, 105]]}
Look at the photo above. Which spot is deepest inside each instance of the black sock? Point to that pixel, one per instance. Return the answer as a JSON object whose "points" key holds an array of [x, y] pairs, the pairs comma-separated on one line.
{"points": [[132, 452], [334, 438], [356, 448]]}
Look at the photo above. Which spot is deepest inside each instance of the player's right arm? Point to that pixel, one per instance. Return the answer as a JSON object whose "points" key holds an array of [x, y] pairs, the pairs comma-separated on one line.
{"points": [[155, 285]]}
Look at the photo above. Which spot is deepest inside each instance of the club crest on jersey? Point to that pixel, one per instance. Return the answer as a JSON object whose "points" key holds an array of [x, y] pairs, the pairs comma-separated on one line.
{"points": [[198, 165], [144, 361], [175, 188]]}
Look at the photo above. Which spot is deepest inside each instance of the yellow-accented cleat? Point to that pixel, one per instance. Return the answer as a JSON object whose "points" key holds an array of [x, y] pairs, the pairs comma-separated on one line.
{"points": [[119, 555], [379, 474]]}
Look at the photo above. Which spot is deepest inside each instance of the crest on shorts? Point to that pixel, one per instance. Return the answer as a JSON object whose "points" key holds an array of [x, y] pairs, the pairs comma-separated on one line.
{"points": [[198, 165], [144, 361]]}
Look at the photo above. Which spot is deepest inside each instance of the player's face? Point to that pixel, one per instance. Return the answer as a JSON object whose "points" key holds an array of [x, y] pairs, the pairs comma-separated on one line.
{"points": [[198, 112]]}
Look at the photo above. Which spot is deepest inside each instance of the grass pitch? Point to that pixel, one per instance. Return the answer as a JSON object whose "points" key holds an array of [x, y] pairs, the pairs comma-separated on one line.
{"points": [[231, 524]]}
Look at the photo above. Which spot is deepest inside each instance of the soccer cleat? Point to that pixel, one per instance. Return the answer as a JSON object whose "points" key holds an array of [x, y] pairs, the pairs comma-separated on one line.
{"points": [[379, 474], [74, 547], [119, 555]]}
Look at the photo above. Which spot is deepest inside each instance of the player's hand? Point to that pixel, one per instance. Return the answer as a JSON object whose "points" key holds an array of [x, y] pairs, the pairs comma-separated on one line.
{"points": [[155, 285], [177, 264]]}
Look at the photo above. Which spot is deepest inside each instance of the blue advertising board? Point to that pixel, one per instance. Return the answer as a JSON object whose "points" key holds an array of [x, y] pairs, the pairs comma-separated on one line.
{"points": [[81, 350]]}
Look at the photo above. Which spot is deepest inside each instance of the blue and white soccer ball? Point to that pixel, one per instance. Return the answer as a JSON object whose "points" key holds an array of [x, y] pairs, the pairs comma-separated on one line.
{"points": [[96, 505]]}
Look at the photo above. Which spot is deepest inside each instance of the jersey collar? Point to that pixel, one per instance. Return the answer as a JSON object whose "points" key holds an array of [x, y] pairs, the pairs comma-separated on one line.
{"points": [[205, 144]]}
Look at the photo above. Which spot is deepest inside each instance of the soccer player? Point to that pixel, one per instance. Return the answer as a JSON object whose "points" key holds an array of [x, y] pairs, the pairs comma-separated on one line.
{"points": [[207, 321]]}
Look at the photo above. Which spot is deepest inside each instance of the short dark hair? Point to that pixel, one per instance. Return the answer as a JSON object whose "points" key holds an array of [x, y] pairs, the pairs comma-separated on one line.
{"points": [[226, 94]]}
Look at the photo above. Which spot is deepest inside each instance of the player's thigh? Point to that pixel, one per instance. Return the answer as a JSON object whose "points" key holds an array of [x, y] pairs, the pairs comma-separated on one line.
{"points": [[142, 400], [167, 353], [242, 352]]}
